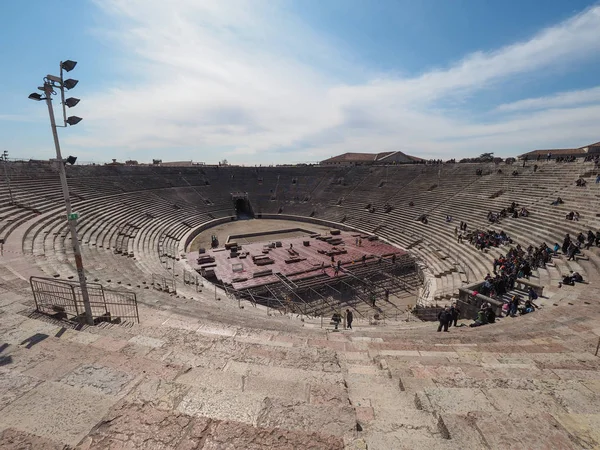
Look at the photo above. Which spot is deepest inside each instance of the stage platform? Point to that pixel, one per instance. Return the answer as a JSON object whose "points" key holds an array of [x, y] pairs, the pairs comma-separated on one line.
{"points": [[295, 261]]}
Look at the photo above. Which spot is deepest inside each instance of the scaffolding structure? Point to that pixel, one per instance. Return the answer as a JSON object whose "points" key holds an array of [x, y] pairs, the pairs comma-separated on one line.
{"points": [[370, 283]]}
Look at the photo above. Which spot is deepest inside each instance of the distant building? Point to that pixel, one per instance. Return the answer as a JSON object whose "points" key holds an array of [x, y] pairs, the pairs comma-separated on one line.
{"points": [[580, 152], [363, 159], [176, 163]]}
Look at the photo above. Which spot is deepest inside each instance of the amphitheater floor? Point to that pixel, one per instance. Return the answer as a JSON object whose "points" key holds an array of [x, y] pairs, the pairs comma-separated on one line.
{"points": [[180, 382], [224, 230]]}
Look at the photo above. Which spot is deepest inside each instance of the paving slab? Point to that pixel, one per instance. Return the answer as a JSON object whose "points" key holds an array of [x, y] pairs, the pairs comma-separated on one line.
{"points": [[289, 415], [54, 409], [98, 378], [222, 405], [12, 439]]}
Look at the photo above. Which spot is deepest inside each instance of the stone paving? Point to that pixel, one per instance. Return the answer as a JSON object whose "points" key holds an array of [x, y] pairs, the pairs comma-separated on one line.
{"points": [[175, 382]]}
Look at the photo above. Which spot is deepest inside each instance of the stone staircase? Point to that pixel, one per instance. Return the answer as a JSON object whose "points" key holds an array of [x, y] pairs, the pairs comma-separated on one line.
{"points": [[177, 381]]}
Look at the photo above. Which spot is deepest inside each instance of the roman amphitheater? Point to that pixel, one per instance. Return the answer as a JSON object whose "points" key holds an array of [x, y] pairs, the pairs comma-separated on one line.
{"points": [[213, 292]]}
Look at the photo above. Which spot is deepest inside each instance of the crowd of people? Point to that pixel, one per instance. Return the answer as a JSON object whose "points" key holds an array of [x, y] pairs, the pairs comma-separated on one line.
{"points": [[513, 211], [483, 239]]}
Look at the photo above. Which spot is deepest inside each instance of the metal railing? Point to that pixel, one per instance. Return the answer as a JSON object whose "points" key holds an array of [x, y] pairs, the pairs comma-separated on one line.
{"points": [[193, 279], [163, 283], [63, 299]]}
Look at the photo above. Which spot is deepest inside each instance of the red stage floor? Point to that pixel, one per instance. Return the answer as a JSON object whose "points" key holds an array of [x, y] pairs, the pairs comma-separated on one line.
{"points": [[310, 265]]}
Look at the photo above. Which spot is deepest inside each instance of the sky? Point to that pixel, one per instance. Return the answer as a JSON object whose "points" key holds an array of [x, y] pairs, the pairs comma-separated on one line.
{"points": [[282, 81]]}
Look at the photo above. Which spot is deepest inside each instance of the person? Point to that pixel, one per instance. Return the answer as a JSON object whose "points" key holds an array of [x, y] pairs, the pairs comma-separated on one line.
{"points": [[481, 318], [527, 308], [349, 318], [598, 178], [590, 239], [576, 216], [531, 294], [572, 251], [556, 248], [514, 306], [448, 218], [454, 312], [336, 319], [576, 277], [490, 314], [444, 319], [568, 280], [566, 242]]}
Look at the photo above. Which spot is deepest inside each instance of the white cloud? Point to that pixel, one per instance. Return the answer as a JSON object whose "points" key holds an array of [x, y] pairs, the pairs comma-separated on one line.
{"points": [[245, 80], [560, 100]]}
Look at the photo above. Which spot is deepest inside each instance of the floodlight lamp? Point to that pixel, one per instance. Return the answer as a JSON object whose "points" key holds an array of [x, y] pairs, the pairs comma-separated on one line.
{"points": [[68, 65], [71, 101], [74, 120], [70, 83], [35, 96], [71, 160]]}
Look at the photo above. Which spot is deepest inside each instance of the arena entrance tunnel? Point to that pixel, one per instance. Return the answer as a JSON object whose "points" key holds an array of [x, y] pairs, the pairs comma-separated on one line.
{"points": [[243, 208]]}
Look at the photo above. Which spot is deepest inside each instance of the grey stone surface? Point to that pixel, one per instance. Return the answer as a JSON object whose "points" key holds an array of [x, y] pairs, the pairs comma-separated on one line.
{"points": [[222, 405], [101, 379], [13, 385], [158, 394], [142, 427], [56, 411], [11, 439], [290, 415]]}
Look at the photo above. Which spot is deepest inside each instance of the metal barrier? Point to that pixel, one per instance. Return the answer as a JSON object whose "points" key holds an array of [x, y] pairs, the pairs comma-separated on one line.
{"points": [[63, 299], [163, 283], [193, 279]]}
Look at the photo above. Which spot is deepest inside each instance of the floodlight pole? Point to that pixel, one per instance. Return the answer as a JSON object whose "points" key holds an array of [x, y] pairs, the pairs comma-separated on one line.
{"points": [[48, 89]]}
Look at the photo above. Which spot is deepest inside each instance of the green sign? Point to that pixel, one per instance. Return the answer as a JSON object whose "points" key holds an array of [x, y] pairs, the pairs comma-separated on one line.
{"points": [[73, 216]]}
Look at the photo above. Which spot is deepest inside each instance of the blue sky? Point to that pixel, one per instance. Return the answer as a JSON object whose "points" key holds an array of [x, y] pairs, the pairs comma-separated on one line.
{"points": [[276, 81]]}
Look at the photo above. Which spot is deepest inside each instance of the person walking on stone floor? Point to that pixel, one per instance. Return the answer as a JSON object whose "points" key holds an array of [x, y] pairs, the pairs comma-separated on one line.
{"points": [[444, 318], [349, 318]]}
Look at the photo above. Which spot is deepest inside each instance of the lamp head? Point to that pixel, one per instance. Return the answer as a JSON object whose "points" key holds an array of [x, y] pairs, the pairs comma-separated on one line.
{"points": [[70, 83], [71, 101], [74, 120], [71, 160], [68, 65], [35, 96]]}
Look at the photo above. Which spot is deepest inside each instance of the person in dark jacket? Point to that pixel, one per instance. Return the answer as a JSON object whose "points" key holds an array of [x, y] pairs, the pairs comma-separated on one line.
{"points": [[490, 314], [349, 319], [444, 318], [454, 312]]}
